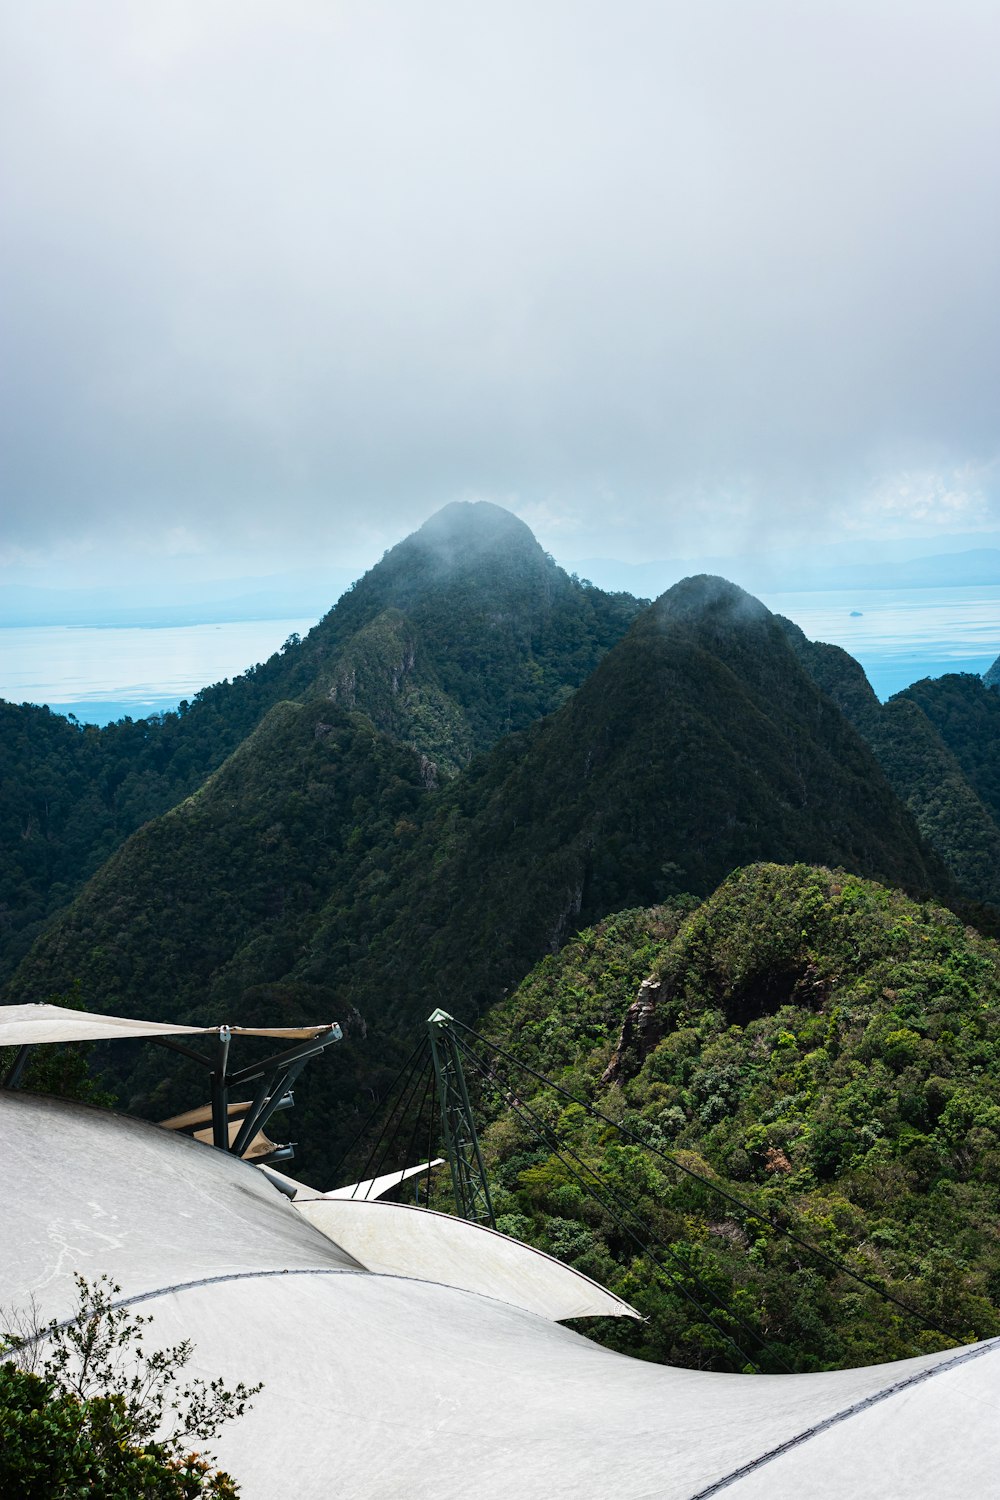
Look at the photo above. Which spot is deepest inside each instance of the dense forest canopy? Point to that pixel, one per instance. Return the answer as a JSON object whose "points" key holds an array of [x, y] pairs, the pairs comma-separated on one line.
{"points": [[821, 1047]]}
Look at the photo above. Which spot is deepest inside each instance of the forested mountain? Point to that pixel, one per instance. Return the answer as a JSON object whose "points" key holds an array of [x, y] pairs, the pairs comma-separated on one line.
{"points": [[464, 631], [823, 1049], [966, 714], [320, 867], [938, 743], [470, 758]]}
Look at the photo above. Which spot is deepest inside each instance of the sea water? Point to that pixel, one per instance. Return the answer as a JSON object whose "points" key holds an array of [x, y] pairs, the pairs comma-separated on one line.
{"points": [[902, 635], [101, 674], [104, 673]]}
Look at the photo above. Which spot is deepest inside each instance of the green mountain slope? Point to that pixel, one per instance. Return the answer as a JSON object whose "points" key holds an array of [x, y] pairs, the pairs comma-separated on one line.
{"points": [[221, 893], [824, 1049], [319, 865], [966, 714], [938, 743], [697, 745], [464, 631]]}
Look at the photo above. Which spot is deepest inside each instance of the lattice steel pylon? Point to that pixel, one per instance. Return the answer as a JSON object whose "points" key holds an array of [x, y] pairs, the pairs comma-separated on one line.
{"points": [[461, 1143]]}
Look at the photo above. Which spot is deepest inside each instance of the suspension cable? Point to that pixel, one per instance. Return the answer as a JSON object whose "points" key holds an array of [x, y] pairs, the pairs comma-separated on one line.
{"points": [[557, 1146], [377, 1110], [431, 1122], [771, 1218], [413, 1078], [643, 1247], [418, 1117]]}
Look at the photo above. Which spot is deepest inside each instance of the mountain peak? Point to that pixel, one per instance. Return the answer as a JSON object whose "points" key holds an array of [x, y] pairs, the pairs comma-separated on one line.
{"points": [[706, 594], [479, 519], [467, 530]]}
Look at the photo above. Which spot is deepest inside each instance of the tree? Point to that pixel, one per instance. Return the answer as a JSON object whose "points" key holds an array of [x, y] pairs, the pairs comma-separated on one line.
{"points": [[86, 1410]]}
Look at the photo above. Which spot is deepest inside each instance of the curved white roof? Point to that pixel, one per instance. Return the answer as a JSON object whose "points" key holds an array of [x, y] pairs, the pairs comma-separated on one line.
{"points": [[397, 1239], [378, 1386], [85, 1190], [368, 1188]]}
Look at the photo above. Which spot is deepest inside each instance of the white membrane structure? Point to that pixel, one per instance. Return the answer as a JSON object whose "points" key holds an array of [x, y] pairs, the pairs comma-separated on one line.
{"points": [[374, 1187], [394, 1239], [370, 1187], [379, 1386], [33, 1025]]}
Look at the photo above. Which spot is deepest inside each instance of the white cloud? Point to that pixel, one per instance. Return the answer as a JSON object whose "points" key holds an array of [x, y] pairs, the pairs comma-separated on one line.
{"points": [[660, 277]]}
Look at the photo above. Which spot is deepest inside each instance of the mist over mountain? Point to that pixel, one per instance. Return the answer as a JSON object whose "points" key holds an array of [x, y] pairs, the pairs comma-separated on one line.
{"points": [[901, 565]]}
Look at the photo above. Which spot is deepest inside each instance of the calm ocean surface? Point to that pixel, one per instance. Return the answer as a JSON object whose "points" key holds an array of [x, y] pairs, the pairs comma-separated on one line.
{"points": [[901, 635], [898, 636], [104, 674]]}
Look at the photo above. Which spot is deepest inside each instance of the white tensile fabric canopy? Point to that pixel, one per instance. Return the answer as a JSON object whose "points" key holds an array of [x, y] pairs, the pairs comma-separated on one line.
{"points": [[376, 1187], [371, 1187], [32, 1025], [380, 1386], [395, 1239]]}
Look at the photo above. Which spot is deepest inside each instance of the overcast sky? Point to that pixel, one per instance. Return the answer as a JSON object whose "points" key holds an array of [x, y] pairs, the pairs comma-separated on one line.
{"points": [[279, 280]]}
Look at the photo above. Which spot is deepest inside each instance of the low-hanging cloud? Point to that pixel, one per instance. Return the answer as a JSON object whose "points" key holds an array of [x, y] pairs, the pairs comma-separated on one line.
{"points": [[304, 273]]}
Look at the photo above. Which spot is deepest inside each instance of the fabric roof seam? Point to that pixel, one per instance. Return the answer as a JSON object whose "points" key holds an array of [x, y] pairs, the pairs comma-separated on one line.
{"points": [[962, 1356], [190, 1286], [433, 1213], [894, 1389], [271, 1274]]}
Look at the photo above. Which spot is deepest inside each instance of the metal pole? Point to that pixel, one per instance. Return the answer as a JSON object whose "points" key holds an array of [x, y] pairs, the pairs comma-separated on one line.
{"points": [[220, 1092]]}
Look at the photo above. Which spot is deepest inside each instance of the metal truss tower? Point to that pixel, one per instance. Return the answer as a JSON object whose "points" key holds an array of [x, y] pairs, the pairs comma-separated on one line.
{"points": [[461, 1143]]}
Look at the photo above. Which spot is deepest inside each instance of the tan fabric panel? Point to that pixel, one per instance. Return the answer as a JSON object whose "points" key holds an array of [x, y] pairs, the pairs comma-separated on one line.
{"points": [[202, 1116], [259, 1146], [36, 1025], [293, 1034]]}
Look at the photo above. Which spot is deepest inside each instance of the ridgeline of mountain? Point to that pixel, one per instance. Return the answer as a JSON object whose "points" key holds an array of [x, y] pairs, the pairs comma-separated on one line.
{"points": [[825, 1050], [966, 714], [938, 743], [463, 631], [699, 744], [319, 870]]}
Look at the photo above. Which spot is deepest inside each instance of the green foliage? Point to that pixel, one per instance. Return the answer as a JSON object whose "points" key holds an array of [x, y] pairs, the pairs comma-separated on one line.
{"points": [[966, 714], [826, 1050], [463, 632], [86, 1410]]}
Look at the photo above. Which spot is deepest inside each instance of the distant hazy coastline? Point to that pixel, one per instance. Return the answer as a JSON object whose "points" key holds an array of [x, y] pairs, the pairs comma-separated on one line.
{"points": [[103, 672]]}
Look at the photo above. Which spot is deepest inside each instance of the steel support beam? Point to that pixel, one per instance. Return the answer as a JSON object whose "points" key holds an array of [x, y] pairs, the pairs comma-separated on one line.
{"points": [[220, 1092], [461, 1143]]}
